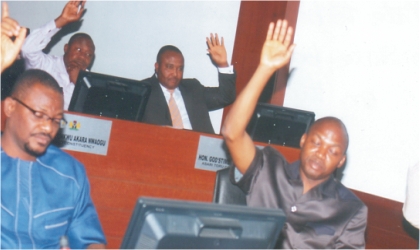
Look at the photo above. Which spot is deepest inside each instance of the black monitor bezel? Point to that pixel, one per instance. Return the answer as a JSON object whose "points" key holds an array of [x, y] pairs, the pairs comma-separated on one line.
{"points": [[146, 204], [79, 96]]}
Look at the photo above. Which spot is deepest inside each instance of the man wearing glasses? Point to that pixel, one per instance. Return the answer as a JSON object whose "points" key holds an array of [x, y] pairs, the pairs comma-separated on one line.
{"points": [[44, 191]]}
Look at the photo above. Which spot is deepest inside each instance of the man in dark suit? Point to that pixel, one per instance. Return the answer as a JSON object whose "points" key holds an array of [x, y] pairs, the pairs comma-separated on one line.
{"points": [[193, 101]]}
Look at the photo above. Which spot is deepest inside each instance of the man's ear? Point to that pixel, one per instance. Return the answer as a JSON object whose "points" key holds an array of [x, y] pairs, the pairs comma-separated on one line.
{"points": [[341, 163], [302, 140], [9, 106], [156, 67], [66, 47]]}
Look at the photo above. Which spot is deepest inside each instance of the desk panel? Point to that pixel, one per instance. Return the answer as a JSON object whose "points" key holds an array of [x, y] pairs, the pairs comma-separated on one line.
{"points": [[147, 160]]}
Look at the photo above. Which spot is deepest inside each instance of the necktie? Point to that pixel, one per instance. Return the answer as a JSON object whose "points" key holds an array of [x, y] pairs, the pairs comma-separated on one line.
{"points": [[175, 114]]}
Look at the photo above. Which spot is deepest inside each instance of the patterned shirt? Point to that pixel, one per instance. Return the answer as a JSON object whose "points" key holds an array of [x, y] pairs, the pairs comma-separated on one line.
{"points": [[45, 199]]}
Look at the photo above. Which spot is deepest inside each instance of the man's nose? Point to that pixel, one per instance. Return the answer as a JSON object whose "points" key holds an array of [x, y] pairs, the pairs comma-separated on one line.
{"points": [[178, 73], [47, 125], [321, 152]]}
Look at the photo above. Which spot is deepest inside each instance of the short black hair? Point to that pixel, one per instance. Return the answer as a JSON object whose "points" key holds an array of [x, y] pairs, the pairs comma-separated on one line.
{"points": [[80, 35], [31, 77], [166, 48]]}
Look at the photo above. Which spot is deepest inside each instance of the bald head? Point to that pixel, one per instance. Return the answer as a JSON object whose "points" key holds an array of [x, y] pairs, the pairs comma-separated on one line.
{"points": [[334, 125], [323, 150]]}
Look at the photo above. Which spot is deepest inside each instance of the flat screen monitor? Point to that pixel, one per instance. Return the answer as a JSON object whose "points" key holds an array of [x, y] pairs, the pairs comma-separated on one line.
{"points": [[279, 125], [109, 96], [164, 223]]}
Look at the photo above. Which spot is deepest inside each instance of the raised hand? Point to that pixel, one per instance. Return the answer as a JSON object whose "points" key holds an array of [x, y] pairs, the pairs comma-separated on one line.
{"points": [[217, 50], [71, 13], [277, 50], [10, 28], [276, 53]]}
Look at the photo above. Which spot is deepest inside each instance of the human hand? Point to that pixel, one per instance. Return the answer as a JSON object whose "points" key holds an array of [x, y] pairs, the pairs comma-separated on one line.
{"points": [[10, 28], [70, 13], [73, 71], [277, 51], [217, 51]]}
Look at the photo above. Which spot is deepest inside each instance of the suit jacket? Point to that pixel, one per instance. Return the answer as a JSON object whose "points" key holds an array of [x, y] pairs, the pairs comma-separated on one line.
{"points": [[199, 100]]}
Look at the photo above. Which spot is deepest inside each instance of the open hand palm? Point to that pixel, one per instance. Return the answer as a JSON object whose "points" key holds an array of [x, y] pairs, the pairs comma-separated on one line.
{"points": [[274, 54], [277, 49]]}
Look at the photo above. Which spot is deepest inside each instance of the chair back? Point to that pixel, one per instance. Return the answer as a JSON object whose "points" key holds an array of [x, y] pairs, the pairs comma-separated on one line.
{"points": [[225, 192]]}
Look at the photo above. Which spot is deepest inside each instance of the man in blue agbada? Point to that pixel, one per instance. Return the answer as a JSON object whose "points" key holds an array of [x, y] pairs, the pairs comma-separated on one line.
{"points": [[45, 192]]}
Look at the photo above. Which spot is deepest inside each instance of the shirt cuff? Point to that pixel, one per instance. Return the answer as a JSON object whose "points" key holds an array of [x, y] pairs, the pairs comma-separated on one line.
{"points": [[50, 27], [226, 70]]}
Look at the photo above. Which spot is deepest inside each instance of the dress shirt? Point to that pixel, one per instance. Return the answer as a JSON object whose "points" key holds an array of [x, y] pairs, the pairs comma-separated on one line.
{"points": [[45, 199], [180, 101], [328, 216], [34, 58]]}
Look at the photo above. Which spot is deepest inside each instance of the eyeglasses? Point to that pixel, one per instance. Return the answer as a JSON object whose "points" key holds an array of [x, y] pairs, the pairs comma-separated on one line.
{"points": [[61, 122]]}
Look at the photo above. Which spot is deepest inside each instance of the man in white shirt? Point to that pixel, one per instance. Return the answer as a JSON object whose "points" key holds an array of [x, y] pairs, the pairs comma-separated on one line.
{"points": [[78, 53]]}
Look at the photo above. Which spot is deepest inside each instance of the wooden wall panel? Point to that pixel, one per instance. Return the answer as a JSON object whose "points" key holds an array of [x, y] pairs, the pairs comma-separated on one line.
{"points": [[253, 20], [385, 224]]}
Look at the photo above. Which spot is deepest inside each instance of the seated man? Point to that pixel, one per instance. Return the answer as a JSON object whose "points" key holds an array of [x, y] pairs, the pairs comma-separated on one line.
{"points": [[44, 191], [78, 53], [320, 211], [185, 103]]}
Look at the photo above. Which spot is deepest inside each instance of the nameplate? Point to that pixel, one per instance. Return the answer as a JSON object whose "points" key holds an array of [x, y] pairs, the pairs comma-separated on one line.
{"points": [[86, 134], [212, 154]]}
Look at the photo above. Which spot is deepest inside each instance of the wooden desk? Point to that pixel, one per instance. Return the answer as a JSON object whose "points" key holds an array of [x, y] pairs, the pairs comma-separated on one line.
{"points": [[146, 160]]}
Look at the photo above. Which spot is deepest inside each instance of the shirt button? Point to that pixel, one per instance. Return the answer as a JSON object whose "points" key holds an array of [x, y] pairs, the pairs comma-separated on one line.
{"points": [[293, 209]]}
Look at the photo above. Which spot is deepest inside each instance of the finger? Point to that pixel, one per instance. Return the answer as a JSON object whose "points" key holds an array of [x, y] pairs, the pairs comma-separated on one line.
{"points": [[277, 30], [270, 31], [82, 7], [283, 30], [288, 38], [73, 2], [217, 39], [4, 10], [6, 29], [20, 38], [223, 42], [209, 43], [212, 39], [10, 27], [289, 51]]}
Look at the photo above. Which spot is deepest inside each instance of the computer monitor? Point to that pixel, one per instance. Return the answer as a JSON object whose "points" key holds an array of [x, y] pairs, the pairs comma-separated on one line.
{"points": [[164, 223], [109, 96], [279, 125]]}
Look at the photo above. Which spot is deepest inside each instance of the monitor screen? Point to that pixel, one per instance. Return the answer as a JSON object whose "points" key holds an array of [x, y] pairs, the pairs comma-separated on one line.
{"points": [[109, 96], [279, 125], [164, 223]]}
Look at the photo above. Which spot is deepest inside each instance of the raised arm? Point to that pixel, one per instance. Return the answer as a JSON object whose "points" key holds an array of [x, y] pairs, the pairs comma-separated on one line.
{"points": [[9, 29], [70, 13], [217, 51], [276, 53]]}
